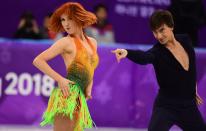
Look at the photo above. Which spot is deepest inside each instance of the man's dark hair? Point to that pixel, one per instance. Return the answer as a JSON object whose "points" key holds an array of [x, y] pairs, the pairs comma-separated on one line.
{"points": [[160, 17]]}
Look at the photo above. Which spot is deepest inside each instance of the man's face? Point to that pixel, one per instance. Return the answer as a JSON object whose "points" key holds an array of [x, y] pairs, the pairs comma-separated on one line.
{"points": [[163, 34]]}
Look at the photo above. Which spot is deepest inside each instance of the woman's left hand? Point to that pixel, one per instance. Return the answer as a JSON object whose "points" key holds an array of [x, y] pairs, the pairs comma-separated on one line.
{"points": [[88, 92]]}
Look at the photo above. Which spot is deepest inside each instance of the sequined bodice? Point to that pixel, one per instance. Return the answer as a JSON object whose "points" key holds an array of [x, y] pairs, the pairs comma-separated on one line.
{"points": [[81, 70]]}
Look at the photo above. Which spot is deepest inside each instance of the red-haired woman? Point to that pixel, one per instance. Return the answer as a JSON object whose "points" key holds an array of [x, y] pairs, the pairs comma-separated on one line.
{"points": [[67, 108]]}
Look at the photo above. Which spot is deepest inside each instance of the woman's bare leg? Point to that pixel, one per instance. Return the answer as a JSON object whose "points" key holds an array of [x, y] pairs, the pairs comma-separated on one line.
{"points": [[63, 123]]}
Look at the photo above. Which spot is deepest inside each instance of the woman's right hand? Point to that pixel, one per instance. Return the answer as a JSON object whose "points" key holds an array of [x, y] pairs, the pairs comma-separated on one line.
{"points": [[120, 54], [64, 86]]}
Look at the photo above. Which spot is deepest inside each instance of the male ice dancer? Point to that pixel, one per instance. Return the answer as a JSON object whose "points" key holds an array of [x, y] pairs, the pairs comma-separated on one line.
{"points": [[173, 58]]}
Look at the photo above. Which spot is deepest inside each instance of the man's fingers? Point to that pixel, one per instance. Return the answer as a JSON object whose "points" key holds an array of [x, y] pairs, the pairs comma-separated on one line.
{"points": [[118, 59], [199, 100], [113, 51], [118, 54]]}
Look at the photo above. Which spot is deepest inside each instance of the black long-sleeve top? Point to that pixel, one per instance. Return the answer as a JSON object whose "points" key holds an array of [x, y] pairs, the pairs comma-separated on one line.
{"points": [[174, 81]]}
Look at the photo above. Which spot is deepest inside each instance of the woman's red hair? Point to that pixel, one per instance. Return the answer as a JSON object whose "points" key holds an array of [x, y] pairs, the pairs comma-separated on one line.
{"points": [[74, 11]]}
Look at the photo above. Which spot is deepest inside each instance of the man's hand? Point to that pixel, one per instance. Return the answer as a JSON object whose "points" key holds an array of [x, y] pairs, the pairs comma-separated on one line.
{"points": [[199, 100], [120, 54]]}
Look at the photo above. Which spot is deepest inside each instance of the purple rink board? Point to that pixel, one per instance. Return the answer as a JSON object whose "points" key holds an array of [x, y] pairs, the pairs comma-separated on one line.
{"points": [[123, 93]]}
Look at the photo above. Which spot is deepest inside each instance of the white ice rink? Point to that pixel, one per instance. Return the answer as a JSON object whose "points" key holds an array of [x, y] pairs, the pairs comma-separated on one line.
{"points": [[26, 128]]}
